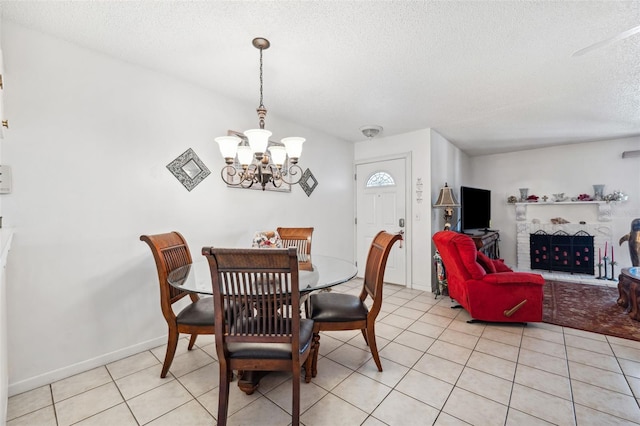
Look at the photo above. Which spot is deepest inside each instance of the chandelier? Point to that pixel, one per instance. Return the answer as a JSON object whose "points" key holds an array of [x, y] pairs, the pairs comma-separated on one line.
{"points": [[251, 158]]}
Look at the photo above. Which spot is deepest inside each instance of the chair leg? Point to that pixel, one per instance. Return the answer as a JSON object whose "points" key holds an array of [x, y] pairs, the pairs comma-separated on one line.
{"points": [[192, 341], [223, 394], [172, 343], [371, 339], [308, 363], [364, 334], [316, 351], [295, 409]]}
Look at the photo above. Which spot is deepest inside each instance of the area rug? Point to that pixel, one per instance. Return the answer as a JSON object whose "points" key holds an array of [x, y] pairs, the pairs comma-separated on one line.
{"points": [[587, 307]]}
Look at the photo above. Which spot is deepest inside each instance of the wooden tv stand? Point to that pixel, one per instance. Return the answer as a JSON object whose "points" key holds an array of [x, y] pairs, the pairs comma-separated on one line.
{"points": [[487, 243]]}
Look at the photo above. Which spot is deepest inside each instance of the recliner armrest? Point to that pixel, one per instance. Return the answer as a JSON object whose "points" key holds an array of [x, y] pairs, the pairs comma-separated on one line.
{"points": [[513, 278]]}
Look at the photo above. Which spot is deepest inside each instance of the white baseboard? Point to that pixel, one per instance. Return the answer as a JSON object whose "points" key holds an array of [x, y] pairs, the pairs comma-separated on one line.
{"points": [[81, 367], [424, 287]]}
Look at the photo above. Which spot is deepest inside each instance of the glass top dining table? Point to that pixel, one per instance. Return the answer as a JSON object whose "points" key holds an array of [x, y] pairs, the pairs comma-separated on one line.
{"points": [[314, 273]]}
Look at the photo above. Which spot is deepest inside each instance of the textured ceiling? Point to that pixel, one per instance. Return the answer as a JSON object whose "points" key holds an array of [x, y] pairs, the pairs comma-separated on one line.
{"points": [[489, 76]]}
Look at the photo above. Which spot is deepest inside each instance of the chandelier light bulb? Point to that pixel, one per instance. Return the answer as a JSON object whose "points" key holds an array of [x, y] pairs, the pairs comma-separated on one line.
{"points": [[245, 156], [228, 147], [258, 140], [293, 146], [278, 155]]}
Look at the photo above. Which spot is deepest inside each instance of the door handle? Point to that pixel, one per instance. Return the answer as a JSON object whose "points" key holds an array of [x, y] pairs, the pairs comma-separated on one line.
{"points": [[401, 223]]}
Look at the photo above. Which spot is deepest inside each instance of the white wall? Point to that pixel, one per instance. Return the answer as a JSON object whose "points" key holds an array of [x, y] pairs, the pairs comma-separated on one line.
{"points": [[4, 350], [448, 165], [89, 142], [419, 224], [451, 166], [572, 169]]}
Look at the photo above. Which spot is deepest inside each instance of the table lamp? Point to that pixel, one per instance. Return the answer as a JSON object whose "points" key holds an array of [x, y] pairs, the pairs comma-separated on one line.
{"points": [[447, 200]]}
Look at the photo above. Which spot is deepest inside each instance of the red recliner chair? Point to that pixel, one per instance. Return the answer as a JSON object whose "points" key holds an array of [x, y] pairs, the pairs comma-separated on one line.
{"points": [[487, 288]]}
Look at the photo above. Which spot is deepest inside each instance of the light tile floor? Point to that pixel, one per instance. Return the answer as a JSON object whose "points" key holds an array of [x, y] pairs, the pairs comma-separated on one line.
{"points": [[438, 369]]}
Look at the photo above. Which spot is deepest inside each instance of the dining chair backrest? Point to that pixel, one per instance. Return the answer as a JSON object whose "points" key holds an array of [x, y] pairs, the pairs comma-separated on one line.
{"points": [[264, 280], [342, 311], [256, 297], [170, 251], [300, 238], [376, 265]]}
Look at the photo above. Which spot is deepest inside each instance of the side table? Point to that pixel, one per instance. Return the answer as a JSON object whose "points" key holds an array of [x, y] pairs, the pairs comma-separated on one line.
{"points": [[629, 290], [441, 275], [487, 243]]}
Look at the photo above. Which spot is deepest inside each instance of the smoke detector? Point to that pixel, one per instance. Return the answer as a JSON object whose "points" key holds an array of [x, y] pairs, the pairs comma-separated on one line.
{"points": [[370, 131]]}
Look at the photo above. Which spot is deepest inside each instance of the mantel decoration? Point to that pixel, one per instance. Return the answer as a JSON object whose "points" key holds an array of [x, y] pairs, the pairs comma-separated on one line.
{"points": [[188, 169], [260, 161], [598, 195], [604, 261]]}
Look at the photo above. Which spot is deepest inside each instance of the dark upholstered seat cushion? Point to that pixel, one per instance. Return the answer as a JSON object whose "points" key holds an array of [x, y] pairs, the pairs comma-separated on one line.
{"points": [[197, 313], [271, 350], [336, 307]]}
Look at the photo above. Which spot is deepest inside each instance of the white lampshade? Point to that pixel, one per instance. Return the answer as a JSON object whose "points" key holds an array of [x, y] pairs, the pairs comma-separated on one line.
{"points": [[245, 156], [293, 146], [228, 145], [258, 139], [278, 155]]}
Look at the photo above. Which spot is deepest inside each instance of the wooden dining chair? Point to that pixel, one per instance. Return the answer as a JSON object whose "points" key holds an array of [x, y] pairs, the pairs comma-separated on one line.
{"points": [[171, 251], [338, 311], [300, 238], [270, 336]]}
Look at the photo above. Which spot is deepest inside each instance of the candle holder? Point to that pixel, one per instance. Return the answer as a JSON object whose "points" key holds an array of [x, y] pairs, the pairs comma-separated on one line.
{"points": [[605, 261], [613, 276], [600, 277]]}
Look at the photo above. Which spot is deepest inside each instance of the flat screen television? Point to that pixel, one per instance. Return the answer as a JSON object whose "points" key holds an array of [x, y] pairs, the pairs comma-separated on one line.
{"points": [[475, 208]]}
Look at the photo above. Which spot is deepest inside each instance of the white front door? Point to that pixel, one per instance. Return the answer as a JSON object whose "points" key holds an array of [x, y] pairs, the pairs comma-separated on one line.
{"points": [[381, 206]]}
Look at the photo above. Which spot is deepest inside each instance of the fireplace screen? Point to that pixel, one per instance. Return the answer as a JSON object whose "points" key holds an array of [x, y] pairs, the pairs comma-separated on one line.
{"points": [[562, 252]]}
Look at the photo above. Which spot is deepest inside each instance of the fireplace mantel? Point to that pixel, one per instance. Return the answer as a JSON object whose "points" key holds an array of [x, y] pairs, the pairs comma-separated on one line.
{"points": [[604, 208]]}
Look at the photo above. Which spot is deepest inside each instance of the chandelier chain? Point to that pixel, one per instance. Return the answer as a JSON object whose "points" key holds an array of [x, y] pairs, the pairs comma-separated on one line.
{"points": [[262, 111], [261, 105]]}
